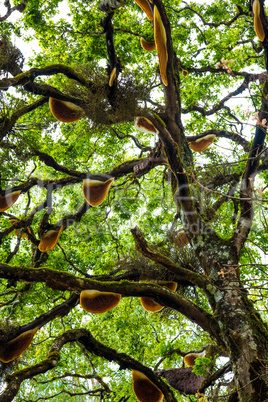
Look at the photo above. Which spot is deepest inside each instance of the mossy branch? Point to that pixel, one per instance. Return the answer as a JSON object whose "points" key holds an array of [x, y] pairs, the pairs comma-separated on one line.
{"points": [[61, 310], [142, 247], [14, 380], [65, 281], [93, 346], [6, 124], [30, 75]]}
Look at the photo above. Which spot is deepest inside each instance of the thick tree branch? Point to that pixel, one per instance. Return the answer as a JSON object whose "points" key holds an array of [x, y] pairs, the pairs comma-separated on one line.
{"points": [[215, 376], [183, 195], [93, 346], [223, 134], [19, 7], [107, 25], [186, 274], [14, 380], [6, 124], [246, 213], [172, 90], [30, 75], [65, 281], [61, 310], [121, 170]]}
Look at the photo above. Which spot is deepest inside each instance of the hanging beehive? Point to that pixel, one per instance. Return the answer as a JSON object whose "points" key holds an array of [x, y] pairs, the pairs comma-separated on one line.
{"points": [[112, 77], [95, 191], [181, 239], [202, 143], [6, 201], [258, 27], [144, 389], [150, 305], [160, 39], [143, 4], [64, 111], [97, 302], [189, 359], [49, 240], [14, 348], [148, 46], [145, 125]]}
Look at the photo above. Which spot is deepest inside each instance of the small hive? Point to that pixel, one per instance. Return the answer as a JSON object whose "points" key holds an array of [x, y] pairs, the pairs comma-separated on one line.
{"points": [[148, 46], [8, 200], [181, 239], [66, 112], [169, 284], [14, 348], [189, 359], [112, 77], [143, 4], [150, 305], [49, 240], [161, 45], [95, 191], [145, 125], [257, 21], [202, 143], [144, 389], [16, 232], [97, 302]]}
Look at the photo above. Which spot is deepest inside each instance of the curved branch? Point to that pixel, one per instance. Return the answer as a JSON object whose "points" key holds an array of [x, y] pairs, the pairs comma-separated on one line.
{"points": [[215, 376], [214, 24], [30, 75], [246, 213], [14, 380], [7, 124], [117, 172], [220, 105], [61, 310], [66, 281], [93, 346], [223, 134], [19, 7], [186, 274]]}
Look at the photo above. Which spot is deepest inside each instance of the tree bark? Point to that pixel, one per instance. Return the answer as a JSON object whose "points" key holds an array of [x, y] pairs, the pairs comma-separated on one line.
{"points": [[245, 336]]}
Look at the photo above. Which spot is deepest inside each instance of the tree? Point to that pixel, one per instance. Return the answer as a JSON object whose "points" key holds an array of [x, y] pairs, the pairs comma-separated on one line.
{"points": [[108, 216]]}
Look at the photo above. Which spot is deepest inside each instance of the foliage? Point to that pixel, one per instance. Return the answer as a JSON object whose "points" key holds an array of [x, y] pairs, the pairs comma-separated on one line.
{"points": [[129, 243]]}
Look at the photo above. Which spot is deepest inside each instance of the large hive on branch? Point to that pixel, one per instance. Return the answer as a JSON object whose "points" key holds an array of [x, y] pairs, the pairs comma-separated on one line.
{"points": [[66, 112], [14, 348], [201, 144], [95, 191], [96, 302], [144, 389], [49, 240], [183, 379], [150, 305], [8, 200], [161, 45]]}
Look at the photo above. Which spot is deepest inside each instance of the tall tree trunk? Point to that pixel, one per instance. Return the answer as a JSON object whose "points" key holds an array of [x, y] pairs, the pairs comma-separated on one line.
{"points": [[246, 339]]}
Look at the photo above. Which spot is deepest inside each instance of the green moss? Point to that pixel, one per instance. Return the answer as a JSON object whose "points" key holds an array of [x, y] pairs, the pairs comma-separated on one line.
{"points": [[160, 121]]}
